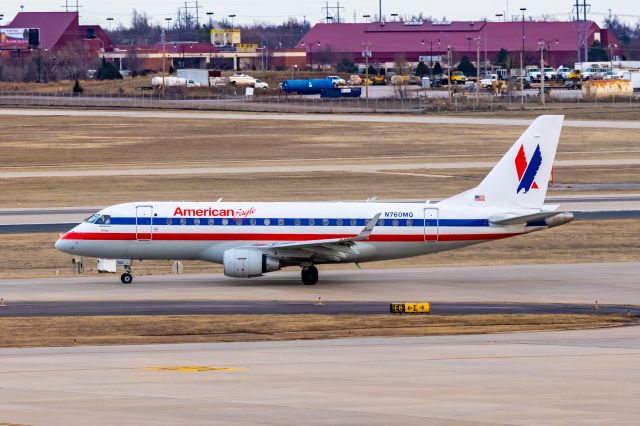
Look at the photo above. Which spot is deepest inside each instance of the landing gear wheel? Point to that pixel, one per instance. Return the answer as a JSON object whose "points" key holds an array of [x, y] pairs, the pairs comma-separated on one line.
{"points": [[126, 278], [309, 275]]}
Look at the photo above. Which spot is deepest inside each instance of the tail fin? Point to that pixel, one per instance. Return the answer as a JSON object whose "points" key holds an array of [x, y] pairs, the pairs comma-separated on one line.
{"points": [[521, 177]]}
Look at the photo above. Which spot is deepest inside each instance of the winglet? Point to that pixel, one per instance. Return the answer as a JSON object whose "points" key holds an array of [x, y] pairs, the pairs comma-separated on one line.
{"points": [[368, 229]]}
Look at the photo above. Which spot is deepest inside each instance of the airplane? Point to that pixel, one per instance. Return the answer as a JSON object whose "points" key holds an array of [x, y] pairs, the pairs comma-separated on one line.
{"points": [[251, 239]]}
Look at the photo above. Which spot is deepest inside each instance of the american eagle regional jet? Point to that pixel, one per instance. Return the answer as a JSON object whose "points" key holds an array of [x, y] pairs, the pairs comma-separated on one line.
{"points": [[251, 239]]}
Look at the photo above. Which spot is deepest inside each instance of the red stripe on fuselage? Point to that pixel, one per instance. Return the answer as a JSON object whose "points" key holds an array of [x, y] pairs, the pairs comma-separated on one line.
{"points": [[131, 236]]}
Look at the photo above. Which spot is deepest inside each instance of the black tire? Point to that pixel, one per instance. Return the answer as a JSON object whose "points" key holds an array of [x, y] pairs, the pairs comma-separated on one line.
{"points": [[126, 278], [309, 275]]}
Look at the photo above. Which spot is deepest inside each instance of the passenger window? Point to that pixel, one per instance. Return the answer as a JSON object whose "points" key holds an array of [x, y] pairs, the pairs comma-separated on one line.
{"points": [[267, 222], [196, 221], [339, 222], [395, 222], [168, 221], [312, 222], [297, 222], [325, 222], [183, 221], [409, 222], [210, 221], [239, 221], [381, 222], [353, 222], [252, 221], [280, 222], [225, 221]]}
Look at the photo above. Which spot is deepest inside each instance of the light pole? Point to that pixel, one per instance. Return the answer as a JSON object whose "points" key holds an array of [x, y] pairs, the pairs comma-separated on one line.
{"points": [[109, 21], [477, 68], [431, 55], [522, 9], [233, 15], [394, 16], [210, 14], [449, 72], [310, 44], [611, 47], [366, 53], [548, 44], [168, 21], [499, 15], [367, 17], [541, 44]]}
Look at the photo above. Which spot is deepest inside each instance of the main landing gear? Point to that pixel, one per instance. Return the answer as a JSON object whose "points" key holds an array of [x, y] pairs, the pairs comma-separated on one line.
{"points": [[126, 278], [309, 275]]}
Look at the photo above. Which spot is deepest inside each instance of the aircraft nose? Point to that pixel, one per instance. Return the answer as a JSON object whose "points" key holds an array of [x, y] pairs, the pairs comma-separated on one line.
{"points": [[64, 245]]}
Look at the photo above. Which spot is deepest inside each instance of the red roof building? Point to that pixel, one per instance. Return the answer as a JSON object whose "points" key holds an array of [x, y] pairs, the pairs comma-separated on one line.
{"points": [[415, 39], [58, 29]]}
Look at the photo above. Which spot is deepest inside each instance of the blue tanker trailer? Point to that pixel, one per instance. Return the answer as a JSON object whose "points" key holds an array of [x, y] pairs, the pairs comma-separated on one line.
{"points": [[307, 87]]}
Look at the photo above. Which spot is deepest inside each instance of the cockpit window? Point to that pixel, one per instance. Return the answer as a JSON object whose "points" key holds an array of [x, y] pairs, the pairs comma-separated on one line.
{"points": [[99, 219], [105, 219], [93, 218]]}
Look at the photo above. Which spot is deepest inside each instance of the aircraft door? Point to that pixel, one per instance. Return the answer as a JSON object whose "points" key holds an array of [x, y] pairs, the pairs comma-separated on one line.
{"points": [[144, 225], [431, 224]]}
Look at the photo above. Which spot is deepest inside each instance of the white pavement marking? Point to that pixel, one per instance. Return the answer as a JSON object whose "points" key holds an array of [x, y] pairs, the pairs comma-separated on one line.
{"points": [[368, 118], [344, 168], [570, 377]]}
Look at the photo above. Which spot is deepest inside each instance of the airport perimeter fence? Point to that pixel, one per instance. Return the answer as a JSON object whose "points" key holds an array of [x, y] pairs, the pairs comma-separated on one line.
{"points": [[305, 104]]}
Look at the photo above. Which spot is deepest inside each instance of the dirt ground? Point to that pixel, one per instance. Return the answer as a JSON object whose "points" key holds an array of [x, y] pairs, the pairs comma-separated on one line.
{"points": [[33, 255], [71, 331]]}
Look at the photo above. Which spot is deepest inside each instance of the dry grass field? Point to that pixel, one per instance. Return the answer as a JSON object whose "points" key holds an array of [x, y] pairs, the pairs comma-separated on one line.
{"points": [[33, 255], [70, 331], [76, 142]]}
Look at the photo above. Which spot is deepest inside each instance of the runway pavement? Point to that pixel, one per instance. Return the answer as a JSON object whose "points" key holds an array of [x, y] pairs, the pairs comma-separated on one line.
{"points": [[236, 307], [607, 283], [569, 377], [367, 118]]}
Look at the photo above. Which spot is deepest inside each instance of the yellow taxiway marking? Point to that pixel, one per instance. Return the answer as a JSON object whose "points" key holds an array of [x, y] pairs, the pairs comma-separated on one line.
{"points": [[192, 368]]}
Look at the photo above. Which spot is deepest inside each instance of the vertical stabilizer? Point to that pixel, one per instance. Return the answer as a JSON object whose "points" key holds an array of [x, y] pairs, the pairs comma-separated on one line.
{"points": [[521, 177]]}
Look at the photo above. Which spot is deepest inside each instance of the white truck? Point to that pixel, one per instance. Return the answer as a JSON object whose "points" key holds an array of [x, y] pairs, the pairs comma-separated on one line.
{"points": [[244, 80], [488, 81], [173, 82]]}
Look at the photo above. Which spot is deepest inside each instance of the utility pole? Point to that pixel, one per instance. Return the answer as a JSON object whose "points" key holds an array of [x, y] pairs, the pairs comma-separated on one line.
{"points": [[449, 72], [541, 44], [366, 53], [163, 36], [477, 69], [522, 9]]}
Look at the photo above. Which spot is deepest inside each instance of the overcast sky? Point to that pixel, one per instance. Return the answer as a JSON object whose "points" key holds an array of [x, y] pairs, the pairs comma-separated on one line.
{"points": [[247, 11]]}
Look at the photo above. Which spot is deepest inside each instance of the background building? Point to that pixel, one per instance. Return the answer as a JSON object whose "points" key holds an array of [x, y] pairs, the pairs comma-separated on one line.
{"points": [[411, 41]]}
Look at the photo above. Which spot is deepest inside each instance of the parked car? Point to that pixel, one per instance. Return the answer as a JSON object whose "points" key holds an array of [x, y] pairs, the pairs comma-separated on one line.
{"points": [[337, 81], [612, 75], [550, 74], [262, 85], [488, 81]]}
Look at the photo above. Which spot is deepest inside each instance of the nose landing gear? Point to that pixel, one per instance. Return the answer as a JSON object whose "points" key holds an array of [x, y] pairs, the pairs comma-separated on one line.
{"points": [[309, 275], [126, 278]]}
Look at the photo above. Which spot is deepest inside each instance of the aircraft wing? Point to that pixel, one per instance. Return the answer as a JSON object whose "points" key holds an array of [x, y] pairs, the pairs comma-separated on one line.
{"points": [[330, 248]]}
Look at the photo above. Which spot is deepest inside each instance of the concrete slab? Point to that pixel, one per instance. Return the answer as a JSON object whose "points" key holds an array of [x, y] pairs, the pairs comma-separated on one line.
{"points": [[574, 377]]}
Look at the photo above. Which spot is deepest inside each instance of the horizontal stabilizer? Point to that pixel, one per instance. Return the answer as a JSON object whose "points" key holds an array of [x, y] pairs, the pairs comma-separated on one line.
{"points": [[515, 220]]}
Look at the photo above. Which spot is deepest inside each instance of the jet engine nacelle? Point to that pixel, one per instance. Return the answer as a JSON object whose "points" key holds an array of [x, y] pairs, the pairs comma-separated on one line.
{"points": [[246, 263]]}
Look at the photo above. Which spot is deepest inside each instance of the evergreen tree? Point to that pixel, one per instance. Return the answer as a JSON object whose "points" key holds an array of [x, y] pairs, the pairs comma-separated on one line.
{"points": [[597, 53], [422, 69], [108, 71], [372, 70], [467, 67], [437, 69]]}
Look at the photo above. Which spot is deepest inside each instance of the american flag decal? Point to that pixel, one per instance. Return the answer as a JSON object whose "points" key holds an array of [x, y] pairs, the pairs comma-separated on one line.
{"points": [[479, 198]]}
